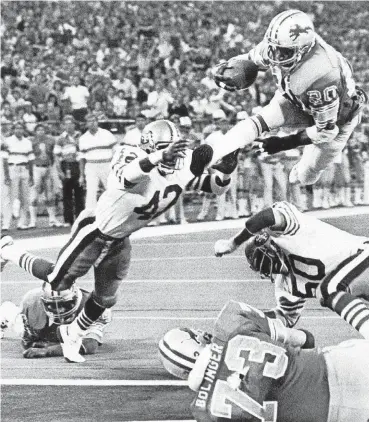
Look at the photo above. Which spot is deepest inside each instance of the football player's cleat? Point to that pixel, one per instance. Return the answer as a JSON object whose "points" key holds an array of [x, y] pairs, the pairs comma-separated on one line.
{"points": [[61, 307], [4, 242], [71, 344], [9, 313], [289, 37], [179, 349]]}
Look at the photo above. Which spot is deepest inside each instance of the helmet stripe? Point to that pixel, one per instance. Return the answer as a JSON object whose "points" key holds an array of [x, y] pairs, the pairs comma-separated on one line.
{"points": [[281, 18], [174, 362], [175, 352]]}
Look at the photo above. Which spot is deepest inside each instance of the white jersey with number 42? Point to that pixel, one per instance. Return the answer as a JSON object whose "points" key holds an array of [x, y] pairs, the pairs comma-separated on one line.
{"points": [[126, 207], [313, 248]]}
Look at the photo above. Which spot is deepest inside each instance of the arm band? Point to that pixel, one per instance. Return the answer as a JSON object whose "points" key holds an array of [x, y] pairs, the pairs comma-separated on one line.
{"points": [[294, 141], [261, 220]]}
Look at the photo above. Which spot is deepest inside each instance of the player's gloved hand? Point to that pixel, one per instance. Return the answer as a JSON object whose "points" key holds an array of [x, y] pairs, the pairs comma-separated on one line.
{"points": [[270, 145], [175, 150], [221, 80], [224, 247], [35, 352]]}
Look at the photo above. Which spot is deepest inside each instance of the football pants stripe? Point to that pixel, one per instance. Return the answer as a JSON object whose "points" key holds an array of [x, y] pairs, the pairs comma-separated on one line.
{"points": [[82, 239], [345, 273]]}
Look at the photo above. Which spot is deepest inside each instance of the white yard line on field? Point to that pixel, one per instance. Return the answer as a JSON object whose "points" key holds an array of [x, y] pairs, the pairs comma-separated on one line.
{"points": [[147, 281], [148, 232], [93, 383]]}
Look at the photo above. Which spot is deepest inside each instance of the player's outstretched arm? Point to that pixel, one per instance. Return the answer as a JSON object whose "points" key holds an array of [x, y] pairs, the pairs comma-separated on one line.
{"points": [[269, 217], [129, 169]]}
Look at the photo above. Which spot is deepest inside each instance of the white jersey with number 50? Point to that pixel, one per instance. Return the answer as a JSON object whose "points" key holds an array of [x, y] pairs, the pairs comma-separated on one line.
{"points": [[313, 248]]}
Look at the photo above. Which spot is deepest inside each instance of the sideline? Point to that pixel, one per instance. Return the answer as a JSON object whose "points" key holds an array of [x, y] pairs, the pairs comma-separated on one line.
{"points": [[56, 241]]}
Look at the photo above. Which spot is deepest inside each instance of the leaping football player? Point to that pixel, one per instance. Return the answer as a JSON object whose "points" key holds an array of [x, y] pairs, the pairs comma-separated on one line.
{"points": [[253, 369], [145, 181], [316, 94], [306, 258]]}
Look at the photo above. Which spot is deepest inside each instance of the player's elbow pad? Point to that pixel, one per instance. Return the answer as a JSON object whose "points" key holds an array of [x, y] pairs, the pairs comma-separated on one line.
{"points": [[219, 183]]}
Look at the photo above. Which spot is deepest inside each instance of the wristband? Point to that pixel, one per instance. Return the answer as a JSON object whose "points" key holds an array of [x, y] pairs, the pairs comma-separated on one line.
{"points": [[155, 157]]}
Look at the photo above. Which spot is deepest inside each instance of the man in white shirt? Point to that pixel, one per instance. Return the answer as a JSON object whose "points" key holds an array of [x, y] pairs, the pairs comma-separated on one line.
{"points": [[21, 159], [133, 136], [96, 152], [78, 96]]}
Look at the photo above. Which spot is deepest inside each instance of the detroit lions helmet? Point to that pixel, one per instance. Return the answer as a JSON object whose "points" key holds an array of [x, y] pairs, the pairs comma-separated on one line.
{"points": [[179, 349], [61, 307], [158, 135], [289, 37]]}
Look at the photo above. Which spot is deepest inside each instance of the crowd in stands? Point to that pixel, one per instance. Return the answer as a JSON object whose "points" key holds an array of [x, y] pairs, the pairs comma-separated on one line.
{"points": [[128, 61]]}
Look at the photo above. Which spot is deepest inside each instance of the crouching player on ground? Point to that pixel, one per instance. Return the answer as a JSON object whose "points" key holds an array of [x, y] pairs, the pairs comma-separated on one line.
{"points": [[252, 369], [307, 258], [144, 182], [41, 311]]}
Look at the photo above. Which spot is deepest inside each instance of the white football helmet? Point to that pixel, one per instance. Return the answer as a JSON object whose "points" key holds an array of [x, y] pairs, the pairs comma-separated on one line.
{"points": [[158, 135], [61, 307], [289, 37], [179, 349]]}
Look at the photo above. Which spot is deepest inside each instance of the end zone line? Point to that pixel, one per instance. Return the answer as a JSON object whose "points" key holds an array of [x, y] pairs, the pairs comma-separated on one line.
{"points": [[194, 318], [144, 281], [94, 383]]}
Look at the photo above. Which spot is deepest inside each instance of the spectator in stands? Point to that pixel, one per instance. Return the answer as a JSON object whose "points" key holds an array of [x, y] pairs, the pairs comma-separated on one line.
{"points": [[29, 117], [6, 210], [124, 82], [133, 135], [21, 158], [38, 92], [96, 151], [66, 155], [274, 178], [78, 96], [43, 149], [120, 104]]}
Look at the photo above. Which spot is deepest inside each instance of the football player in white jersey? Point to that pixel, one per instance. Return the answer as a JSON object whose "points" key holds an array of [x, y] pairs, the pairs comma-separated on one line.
{"points": [[316, 94], [144, 182], [306, 258]]}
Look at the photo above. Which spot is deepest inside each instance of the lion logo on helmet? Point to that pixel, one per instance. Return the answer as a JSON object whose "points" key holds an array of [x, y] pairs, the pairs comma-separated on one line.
{"points": [[297, 30]]}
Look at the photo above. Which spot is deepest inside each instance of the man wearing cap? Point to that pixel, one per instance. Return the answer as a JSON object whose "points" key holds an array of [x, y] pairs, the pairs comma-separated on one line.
{"points": [[43, 147], [96, 151], [66, 153], [21, 158]]}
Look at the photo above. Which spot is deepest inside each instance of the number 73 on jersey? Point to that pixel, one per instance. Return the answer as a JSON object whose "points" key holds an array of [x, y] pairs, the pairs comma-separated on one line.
{"points": [[226, 396]]}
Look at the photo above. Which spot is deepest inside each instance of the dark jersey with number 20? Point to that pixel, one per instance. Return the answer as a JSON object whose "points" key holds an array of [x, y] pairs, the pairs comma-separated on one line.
{"points": [[252, 378]]}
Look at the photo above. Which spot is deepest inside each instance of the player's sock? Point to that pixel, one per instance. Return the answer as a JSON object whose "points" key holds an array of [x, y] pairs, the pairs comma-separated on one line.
{"points": [[89, 314], [34, 265], [352, 309]]}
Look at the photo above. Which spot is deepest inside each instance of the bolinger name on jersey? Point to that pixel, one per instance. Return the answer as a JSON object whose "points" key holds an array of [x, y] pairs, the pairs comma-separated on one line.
{"points": [[210, 376]]}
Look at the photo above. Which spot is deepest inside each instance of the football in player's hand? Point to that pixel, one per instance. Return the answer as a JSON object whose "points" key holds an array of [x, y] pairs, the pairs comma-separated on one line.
{"points": [[237, 74]]}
